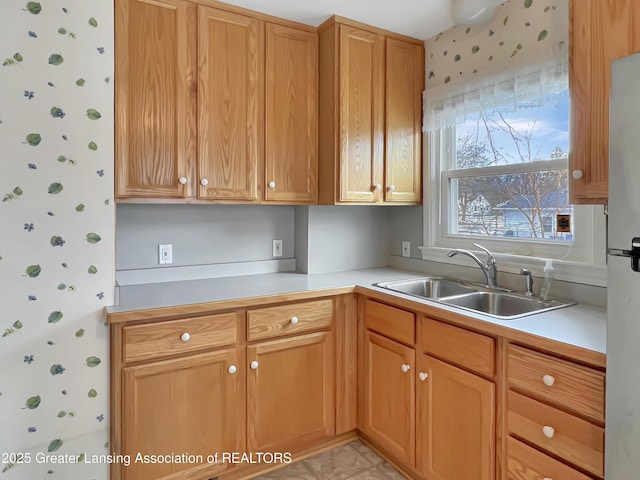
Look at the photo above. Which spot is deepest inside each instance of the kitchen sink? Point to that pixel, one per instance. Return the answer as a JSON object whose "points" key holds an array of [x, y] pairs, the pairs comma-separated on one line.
{"points": [[431, 287], [506, 306], [495, 302]]}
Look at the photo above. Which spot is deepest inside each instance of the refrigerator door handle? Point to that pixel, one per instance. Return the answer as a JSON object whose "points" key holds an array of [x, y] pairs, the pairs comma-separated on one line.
{"points": [[633, 254]]}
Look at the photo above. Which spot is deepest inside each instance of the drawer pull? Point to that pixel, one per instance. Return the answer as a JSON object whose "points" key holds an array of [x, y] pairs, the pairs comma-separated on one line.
{"points": [[185, 337], [547, 478], [405, 367], [423, 376], [548, 380], [294, 320], [548, 431], [232, 369], [254, 365]]}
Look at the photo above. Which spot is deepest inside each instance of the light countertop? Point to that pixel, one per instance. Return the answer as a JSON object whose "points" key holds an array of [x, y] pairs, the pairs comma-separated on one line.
{"points": [[581, 325]]}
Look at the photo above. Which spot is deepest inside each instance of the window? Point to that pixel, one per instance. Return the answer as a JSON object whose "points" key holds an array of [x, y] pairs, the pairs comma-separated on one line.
{"points": [[498, 165]]}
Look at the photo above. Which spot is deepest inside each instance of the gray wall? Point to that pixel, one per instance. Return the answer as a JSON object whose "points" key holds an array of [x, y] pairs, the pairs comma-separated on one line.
{"points": [[347, 237], [201, 234], [405, 223]]}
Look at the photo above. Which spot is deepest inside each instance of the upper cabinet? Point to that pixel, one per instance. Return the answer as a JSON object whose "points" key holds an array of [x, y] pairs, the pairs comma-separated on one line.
{"points": [[230, 82], [155, 98], [214, 105], [601, 32], [291, 139], [371, 84]]}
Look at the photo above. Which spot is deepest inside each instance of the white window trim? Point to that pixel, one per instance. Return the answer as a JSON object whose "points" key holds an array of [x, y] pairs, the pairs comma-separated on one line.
{"points": [[582, 262]]}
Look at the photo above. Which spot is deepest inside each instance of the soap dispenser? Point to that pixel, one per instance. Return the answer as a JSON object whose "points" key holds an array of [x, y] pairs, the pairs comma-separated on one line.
{"points": [[549, 275]]}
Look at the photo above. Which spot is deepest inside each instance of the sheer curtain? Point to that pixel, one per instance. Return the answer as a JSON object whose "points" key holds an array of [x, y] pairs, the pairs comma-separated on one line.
{"points": [[525, 86]]}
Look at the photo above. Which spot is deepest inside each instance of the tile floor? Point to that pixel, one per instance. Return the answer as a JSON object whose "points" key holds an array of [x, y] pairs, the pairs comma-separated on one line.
{"points": [[353, 461]]}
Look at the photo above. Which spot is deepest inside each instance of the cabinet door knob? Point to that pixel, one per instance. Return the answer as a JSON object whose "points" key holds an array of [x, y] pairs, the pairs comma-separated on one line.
{"points": [[232, 369], [272, 184], [204, 182], [294, 320], [548, 431], [185, 337], [392, 188], [182, 180], [377, 186], [577, 174], [405, 367], [254, 365], [548, 380], [423, 376], [547, 478]]}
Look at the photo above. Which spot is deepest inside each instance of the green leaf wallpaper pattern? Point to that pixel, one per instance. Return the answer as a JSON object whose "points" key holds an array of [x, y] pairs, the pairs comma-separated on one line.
{"points": [[522, 30], [55, 277]]}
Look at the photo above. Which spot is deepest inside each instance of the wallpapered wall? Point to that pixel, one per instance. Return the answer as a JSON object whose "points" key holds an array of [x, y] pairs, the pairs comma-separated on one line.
{"points": [[57, 235], [522, 30]]}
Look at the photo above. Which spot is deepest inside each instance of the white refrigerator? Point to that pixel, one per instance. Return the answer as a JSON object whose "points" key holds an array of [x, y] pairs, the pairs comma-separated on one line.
{"points": [[622, 432]]}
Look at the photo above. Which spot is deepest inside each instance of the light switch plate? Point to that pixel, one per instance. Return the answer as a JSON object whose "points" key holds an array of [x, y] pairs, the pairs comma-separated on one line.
{"points": [[406, 248]]}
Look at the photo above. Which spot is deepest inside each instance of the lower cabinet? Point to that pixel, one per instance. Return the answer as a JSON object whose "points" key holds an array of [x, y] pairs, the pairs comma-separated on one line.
{"points": [[291, 394], [455, 423], [388, 416], [166, 405]]}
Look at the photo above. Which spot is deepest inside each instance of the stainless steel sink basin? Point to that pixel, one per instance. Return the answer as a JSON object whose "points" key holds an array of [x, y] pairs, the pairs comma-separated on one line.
{"points": [[506, 306], [495, 302], [429, 287]]}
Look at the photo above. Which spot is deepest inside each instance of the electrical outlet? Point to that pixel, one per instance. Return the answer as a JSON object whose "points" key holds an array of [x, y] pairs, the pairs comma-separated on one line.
{"points": [[406, 248], [165, 254], [277, 248]]}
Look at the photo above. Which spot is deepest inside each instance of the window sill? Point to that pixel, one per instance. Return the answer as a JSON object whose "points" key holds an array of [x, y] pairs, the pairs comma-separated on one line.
{"points": [[568, 271]]}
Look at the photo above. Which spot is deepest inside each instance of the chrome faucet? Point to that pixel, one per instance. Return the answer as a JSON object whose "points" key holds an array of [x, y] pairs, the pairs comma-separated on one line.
{"points": [[490, 269]]}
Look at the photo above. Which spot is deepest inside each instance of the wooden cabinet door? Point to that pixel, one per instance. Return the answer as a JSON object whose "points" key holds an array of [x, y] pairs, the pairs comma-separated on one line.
{"points": [[389, 396], [155, 98], [456, 423], [291, 115], [361, 115], [403, 156], [189, 405], [230, 105], [291, 392], [601, 31]]}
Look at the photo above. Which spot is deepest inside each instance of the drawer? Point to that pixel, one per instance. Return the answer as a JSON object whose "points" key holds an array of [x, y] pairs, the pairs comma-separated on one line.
{"points": [[570, 438], [390, 321], [466, 349], [154, 340], [526, 463], [288, 319], [574, 387]]}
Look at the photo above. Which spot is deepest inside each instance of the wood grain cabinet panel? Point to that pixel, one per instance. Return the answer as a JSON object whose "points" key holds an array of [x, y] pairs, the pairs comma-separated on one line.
{"points": [[230, 107], [565, 384], [191, 404], [290, 319], [403, 112], [526, 463], [456, 423], [361, 115], [390, 321], [577, 441], [389, 396], [155, 97], [156, 340], [291, 115], [600, 31], [291, 393]]}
